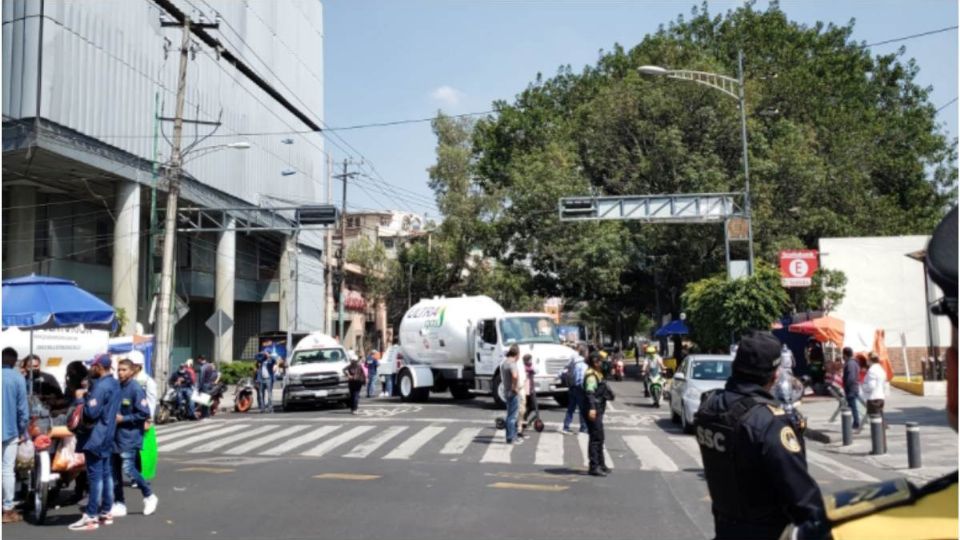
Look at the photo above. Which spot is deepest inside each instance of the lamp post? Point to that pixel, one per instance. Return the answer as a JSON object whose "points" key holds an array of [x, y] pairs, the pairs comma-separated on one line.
{"points": [[733, 88], [164, 327]]}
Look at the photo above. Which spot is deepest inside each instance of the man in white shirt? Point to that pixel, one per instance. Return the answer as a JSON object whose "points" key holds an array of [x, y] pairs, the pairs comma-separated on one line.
{"points": [[874, 387]]}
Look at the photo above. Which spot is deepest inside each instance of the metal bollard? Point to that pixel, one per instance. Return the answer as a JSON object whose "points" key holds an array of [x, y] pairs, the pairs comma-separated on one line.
{"points": [[877, 438], [846, 423], [913, 445]]}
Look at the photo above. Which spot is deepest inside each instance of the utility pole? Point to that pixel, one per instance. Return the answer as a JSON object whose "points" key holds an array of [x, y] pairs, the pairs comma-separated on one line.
{"points": [[328, 285], [340, 276], [164, 316]]}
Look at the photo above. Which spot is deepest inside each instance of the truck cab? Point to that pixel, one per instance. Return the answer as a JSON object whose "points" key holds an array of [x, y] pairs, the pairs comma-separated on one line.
{"points": [[315, 372]]}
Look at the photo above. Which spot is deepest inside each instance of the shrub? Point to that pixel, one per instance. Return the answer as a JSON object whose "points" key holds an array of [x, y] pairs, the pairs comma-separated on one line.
{"points": [[236, 370]]}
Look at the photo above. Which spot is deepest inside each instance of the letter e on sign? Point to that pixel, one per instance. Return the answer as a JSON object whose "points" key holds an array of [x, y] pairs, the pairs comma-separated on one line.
{"points": [[797, 267]]}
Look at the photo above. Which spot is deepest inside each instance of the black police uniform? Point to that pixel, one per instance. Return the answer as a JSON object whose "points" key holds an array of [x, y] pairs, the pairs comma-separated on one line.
{"points": [[754, 458]]}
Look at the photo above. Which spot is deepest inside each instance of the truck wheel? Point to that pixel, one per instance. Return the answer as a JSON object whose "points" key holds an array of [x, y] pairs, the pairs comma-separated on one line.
{"points": [[562, 399], [408, 392], [497, 390], [460, 391]]}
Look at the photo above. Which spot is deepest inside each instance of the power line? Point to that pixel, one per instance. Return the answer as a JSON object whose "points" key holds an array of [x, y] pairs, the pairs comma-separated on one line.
{"points": [[947, 104], [913, 36]]}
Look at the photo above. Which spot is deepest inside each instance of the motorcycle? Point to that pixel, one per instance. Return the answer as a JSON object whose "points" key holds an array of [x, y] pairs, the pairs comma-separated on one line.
{"points": [[172, 408], [244, 398], [656, 387]]}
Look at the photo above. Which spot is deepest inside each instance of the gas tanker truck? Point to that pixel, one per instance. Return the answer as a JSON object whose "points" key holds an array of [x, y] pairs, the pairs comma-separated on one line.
{"points": [[457, 344]]}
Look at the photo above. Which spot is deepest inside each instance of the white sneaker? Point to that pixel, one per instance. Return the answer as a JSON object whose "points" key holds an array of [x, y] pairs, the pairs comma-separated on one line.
{"points": [[85, 523], [118, 510], [150, 505]]}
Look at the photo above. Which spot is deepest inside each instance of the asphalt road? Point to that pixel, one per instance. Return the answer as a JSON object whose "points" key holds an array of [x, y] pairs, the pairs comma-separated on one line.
{"points": [[431, 470]]}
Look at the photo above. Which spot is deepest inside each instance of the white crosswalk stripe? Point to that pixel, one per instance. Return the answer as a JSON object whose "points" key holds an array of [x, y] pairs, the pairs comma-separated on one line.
{"points": [[299, 441], [168, 429], [689, 446], [583, 440], [549, 449], [164, 437], [170, 446], [366, 448], [408, 447], [336, 441], [839, 469], [498, 451], [262, 441], [461, 441], [221, 442], [651, 457]]}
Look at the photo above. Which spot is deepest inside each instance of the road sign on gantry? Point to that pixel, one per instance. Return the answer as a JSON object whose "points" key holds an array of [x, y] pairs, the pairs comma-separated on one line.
{"points": [[689, 208], [797, 267]]}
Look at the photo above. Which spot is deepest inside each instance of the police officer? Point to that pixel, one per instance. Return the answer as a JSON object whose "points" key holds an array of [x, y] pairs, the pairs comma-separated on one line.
{"points": [[754, 457], [597, 393], [896, 508]]}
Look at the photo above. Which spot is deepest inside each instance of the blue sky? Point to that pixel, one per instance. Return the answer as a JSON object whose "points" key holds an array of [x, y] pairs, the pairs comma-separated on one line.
{"points": [[388, 60]]}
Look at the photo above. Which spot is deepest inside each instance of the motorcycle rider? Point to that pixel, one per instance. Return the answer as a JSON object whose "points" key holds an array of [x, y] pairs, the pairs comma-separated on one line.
{"points": [[650, 360], [182, 382]]}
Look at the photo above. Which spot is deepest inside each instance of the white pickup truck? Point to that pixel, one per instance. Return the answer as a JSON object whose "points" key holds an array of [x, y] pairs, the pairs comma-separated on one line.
{"points": [[315, 372]]}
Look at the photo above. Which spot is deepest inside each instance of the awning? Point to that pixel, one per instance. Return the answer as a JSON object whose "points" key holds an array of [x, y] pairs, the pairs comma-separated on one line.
{"points": [[675, 327]]}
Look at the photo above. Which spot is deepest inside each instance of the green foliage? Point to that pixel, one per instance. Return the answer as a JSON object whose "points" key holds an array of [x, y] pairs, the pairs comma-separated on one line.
{"points": [[720, 310], [826, 292], [121, 317], [377, 268], [232, 372]]}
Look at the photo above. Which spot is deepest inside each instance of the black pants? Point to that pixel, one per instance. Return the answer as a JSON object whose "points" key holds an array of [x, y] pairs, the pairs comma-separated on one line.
{"points": [[595, 446], [355, 387]]}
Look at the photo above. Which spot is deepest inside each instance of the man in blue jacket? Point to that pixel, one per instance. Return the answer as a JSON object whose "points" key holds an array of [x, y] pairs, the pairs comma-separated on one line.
{"points": [[96, 439], [16, 415], [134, 412], [265, 375]]}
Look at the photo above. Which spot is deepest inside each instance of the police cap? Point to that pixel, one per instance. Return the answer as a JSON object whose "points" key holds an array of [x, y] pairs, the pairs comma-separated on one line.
{"points": [[942, 264], [758, 356]]}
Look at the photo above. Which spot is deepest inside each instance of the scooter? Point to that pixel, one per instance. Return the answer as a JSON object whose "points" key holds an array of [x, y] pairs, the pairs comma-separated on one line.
{"points": [[538, 424], [244, 398], [656, 387]]}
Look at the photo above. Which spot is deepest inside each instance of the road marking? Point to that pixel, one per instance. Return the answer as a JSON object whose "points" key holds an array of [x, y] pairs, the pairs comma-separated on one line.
{"points": [[611, 408], [256, 443], [498, 451], [461, 441], [162, 438], [838, 469], [583, 440], [211, 470], [219, 443], [169, 429], [365, 449], [689, 446], [170, 446], [650, 456], [528, 487], [549, 449], [334, 442], [346, 476], [299, 441], [408, 447]]}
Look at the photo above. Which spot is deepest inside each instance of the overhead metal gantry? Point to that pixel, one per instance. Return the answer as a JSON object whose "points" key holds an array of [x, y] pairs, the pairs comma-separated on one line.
{"points": [[689, 208]]}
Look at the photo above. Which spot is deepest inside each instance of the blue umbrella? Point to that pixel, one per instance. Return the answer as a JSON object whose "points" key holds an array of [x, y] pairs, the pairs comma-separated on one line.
{"points": [[40, 302], [675, 327]]}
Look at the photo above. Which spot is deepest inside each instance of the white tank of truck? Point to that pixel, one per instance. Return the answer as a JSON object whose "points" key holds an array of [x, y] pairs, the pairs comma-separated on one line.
{"points": [[457, 344]]}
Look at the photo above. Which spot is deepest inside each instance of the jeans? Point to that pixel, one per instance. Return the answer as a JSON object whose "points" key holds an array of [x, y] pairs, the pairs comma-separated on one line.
{"points": [[852, 403], [9, 476], [183, 396], [265, 395], [125, 463], [595, 445], [354, 388], [100, 478], [372, 383], [388, 384], [575, 402], [513, 407]]}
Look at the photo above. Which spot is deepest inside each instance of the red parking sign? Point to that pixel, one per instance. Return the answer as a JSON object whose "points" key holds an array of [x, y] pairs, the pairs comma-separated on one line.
{"points": [[797, 267]]}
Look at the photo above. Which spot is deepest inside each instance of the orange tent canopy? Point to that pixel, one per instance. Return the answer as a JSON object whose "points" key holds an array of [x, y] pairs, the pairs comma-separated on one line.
{"points": [[825, 328]]}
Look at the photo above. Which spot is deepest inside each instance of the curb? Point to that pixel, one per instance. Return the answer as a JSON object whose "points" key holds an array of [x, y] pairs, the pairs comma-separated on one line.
{"points": [[818, 435]]}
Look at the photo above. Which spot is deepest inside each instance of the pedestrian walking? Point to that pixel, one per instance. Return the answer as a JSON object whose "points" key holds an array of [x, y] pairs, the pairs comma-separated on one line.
{"points": [[754, 457], [851, 384], [874, 386], [356, 379], [597, 393], [16, 416], [373, 362], [128, 441], [576, 369], [266, 370], [388, 368], [896, 508], [207, 378], [510, 377], [100, 407]]}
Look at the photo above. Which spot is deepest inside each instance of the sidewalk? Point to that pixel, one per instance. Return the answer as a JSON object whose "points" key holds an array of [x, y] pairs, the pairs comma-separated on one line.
{"points": [[938, 441]]}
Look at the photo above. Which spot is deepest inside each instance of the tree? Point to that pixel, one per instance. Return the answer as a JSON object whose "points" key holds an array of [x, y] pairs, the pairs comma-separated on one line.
{"points": [[826, 292], [378, 270], [720, 310]]}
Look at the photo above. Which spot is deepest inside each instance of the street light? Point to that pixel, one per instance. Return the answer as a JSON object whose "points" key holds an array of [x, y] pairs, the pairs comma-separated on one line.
{"points": [[733, 88]]}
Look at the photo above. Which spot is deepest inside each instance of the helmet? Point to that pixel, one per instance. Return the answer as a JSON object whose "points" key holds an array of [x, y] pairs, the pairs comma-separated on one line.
{"points": [[603, 355], [651, 349]]}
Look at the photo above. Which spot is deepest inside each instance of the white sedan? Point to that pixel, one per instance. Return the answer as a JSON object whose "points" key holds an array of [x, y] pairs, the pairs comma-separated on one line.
{"points": [[697, 374]]}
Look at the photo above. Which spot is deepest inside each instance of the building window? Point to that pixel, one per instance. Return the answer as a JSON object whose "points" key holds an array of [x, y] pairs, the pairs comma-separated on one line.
{"points": [[385, 221], [388, 243], [353, 222]]}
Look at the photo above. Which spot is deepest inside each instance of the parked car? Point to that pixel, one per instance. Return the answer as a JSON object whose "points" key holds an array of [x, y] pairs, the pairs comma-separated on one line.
{"points": [[697, 374]]}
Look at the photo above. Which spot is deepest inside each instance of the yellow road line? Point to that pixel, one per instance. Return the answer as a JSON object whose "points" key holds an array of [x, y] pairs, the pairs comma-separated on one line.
{"points": [[212, 470], [346, 476], [528, 487]]}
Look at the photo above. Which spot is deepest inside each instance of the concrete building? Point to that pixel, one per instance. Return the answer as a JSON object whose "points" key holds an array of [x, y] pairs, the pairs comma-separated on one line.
{"points": [[889, 290], [86, 88]]}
